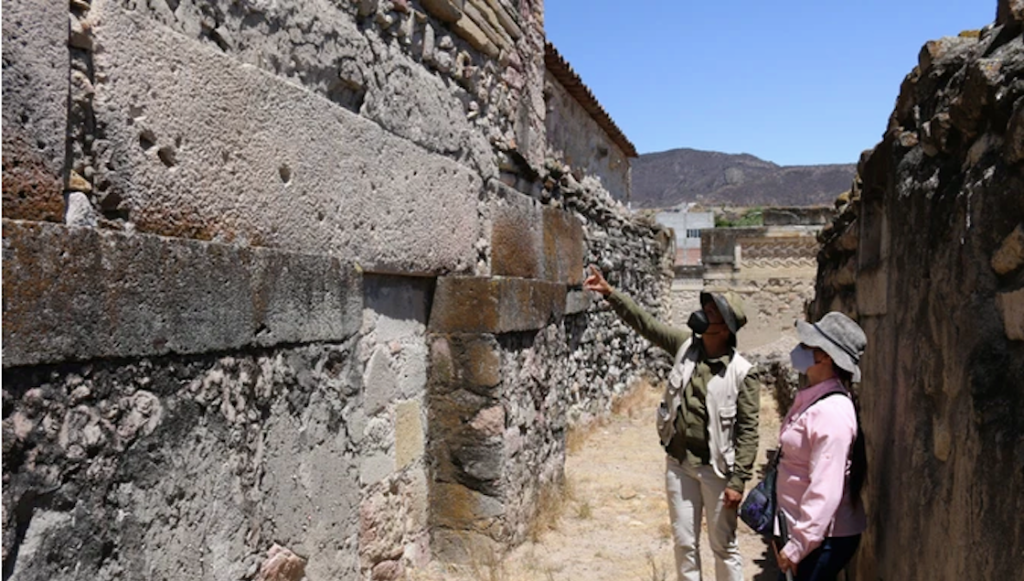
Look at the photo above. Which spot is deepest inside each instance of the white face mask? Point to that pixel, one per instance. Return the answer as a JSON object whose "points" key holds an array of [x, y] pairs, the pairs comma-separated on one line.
{"points": [[801, 359]]}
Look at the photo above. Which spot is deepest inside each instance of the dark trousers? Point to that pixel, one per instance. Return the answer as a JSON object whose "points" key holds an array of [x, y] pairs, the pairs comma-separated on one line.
{"points": [[825, 562]]}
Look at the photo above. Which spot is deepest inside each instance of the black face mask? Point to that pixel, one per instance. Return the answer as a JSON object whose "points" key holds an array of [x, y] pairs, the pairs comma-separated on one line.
{"points": [[698, 322]]}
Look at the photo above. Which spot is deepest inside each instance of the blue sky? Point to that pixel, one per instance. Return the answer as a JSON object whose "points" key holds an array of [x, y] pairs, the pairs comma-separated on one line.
{"points": [[790, 81]]}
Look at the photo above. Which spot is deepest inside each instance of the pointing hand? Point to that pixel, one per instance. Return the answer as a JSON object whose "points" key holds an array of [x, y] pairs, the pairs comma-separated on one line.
{"points": [[596, 282]]}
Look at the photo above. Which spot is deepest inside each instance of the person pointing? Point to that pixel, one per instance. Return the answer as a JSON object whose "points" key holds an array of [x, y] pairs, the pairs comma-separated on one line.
{"points": [[707, 423]]}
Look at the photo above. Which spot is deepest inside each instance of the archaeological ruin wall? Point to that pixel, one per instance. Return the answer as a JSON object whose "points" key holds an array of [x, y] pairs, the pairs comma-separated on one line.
{"points": [[772, 268], [580, 132], [295, 286], [928, 255]]}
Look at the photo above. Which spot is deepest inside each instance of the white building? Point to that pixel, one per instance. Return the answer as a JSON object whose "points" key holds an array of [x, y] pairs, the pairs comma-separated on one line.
{"points": [[687, 226]]}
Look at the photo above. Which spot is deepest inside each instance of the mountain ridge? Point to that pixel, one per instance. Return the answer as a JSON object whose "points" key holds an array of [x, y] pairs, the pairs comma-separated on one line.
{"points": [[669, 178]]}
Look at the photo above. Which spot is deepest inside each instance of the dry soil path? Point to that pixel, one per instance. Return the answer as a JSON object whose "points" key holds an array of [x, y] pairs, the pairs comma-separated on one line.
{"points": [[614, 524]]}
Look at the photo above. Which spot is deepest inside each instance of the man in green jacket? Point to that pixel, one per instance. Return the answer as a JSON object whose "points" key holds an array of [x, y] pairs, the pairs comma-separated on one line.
{"points": [[707, 423]]}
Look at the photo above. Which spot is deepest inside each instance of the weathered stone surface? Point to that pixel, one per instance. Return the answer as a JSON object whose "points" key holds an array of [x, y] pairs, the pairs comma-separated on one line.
{"points": [[79, 211], [481, 462], [479, 362], [455, 506], [1009, 12], [380, 382], [494, 305], [490, 422], [393, 524], [401, 304], [469, 30], [563, 247], [249, 449], [506, 20], [409, 440], [463, 546], [76, 294], [376, 468], [578, 302], [315, 177], [533, 241], [939, 296], [35, 97], [1011, 305], [1011, 252], [470, 361], [282, 565], [487, 20], [388, 571], [466, 304], [1015, 134], [516, 238]]}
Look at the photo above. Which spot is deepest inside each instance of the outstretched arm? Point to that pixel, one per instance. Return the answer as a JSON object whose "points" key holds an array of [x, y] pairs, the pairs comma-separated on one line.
{"points": [[662, 335]]}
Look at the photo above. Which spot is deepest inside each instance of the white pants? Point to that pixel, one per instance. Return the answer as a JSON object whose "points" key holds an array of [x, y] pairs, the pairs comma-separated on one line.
{"points": [[691, 492]]}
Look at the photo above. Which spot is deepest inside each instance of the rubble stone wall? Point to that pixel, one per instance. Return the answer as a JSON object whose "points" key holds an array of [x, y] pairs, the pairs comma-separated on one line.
{"points": [[927, 255], [147, 443], [519, 357]]}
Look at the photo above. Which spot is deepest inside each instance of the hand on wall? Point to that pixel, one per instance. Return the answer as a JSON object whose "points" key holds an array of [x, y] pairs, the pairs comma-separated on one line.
{"points": [[596, 282]]}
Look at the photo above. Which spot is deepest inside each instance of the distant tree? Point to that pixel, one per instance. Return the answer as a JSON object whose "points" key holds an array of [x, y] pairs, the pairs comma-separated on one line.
{"points": [[750, 217]]}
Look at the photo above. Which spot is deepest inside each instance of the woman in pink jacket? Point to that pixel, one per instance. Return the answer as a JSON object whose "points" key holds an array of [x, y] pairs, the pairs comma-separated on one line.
{"points": [[822, 462]]}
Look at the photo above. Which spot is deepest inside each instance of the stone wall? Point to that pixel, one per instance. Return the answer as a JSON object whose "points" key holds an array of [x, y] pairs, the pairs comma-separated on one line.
{"points": [[282, 222], [576, 139], [141, 441], [772, 268], [796, 216], [927, 255], [520, 356]]}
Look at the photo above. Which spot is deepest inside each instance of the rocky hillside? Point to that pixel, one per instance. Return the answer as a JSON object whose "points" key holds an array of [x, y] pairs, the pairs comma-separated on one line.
{"points": [[672, 177]]}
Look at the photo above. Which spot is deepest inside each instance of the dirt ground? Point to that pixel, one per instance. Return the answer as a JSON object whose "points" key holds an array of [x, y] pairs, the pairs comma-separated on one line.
{"points": [[614, 523]]}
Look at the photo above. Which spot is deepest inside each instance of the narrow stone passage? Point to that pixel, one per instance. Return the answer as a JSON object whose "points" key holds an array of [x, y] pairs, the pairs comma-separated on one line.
{"points": [[614, 522]]}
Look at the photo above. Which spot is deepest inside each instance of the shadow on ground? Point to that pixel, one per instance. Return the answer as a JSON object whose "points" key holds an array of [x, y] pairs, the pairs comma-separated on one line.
{"points": [[769, 567]]}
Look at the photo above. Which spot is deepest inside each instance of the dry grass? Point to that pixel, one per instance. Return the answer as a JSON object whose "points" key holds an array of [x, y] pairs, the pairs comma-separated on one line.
{"points": [[639, 399], [665, 530], [636, 400], [584, 510], [657, 573], [578, 435], [487, 565], [552, 502]]}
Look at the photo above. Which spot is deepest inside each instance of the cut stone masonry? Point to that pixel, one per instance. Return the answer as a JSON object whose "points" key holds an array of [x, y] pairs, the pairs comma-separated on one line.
{"points": [[925, 253], [309, 301]]}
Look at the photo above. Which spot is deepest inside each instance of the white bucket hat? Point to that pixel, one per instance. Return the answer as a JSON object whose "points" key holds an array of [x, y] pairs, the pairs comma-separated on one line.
{"points": [[839, 336]]}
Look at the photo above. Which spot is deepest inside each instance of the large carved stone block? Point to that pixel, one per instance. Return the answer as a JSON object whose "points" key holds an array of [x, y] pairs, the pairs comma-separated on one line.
{"points": [[494, 305], [76, 294], [563, 247], [35, 95], [205, 147], [516, 239], [531, 241]]}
